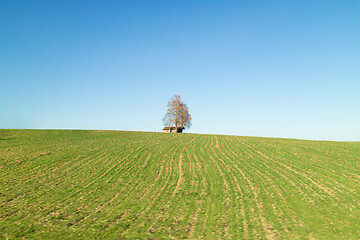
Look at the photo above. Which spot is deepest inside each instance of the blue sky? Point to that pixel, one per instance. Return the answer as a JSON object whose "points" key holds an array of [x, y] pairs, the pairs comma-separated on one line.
{"points": [[255, 68]]}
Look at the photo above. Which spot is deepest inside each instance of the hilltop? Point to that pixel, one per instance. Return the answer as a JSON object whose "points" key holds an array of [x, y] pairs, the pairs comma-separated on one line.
{"points": [[63, 184]]}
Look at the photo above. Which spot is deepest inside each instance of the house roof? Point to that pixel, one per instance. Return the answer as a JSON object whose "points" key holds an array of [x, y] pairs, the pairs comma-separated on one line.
{"points": [[171, 128]]}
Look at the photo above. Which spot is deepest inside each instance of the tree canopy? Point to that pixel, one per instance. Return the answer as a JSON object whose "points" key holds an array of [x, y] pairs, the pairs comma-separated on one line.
{"points": [[177, 114]]}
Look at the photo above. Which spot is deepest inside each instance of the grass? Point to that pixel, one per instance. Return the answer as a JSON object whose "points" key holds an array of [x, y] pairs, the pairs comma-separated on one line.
{"points": [[64, 184]]}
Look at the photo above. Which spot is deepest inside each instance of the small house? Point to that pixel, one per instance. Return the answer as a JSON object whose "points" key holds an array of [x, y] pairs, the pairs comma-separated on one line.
{"points": [[173, 129]]}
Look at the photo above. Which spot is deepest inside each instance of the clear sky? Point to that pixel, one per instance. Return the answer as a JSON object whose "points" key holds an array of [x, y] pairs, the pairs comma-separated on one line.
{"points": [[255, 68]]}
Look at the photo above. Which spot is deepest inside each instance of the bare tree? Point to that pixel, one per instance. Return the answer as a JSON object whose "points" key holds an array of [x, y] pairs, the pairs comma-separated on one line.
{"points": [[177, 114]]}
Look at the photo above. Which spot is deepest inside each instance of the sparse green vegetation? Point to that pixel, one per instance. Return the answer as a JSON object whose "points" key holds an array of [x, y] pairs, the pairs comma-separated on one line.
{"points": [[61, 184]]}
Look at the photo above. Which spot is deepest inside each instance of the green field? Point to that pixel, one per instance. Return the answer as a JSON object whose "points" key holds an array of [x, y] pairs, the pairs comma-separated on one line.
{"points": [[61, 184]]}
